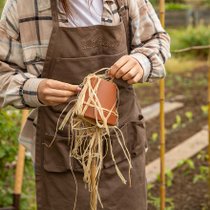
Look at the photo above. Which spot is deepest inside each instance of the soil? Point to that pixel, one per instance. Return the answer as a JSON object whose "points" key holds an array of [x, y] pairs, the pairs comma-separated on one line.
{"points": [[185, 194], [190, 88], [174, 136]]}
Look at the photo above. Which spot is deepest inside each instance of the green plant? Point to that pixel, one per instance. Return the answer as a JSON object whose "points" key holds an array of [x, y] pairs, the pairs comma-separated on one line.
{"points": [[169, 178], [189, 115], [178, 122], [176, 6], [154, 137], [205, 206], [1, 5], [150, 186], [196, 36], [187, 162], [155, 201], [207, 2], [205, 109], [154, 2], [9, 130], [175, 1], [202, 156], [188, 165], [202, 176]]}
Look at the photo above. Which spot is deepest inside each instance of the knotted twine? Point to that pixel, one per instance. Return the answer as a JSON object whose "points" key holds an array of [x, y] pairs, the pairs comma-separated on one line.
{"points": [[89, 136]]}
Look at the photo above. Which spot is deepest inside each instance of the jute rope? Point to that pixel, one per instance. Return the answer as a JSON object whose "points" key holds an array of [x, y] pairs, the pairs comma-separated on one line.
{"points": [[89, 136]]}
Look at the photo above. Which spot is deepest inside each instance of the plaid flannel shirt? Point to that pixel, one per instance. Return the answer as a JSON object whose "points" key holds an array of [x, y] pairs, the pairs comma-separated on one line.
{"points": [[25, 29]]}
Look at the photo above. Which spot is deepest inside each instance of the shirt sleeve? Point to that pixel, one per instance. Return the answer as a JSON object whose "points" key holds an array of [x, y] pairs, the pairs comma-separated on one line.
{"points": [[18, 87], [150, 42]]}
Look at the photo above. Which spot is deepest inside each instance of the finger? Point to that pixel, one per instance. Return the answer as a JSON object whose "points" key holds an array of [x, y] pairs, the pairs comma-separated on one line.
{"points": [[59, 93], [58, 100], [134, 79], [125, 69], [62, 86], [130, 74], [52, 104], [117, 65]]}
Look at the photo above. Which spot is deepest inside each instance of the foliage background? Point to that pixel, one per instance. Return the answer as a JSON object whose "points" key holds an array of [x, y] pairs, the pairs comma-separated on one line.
{"points": [[9, 129]]}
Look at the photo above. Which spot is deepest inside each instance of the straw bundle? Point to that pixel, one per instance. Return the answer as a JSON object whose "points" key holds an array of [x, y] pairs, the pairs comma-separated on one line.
{"points": [[91, 131]]}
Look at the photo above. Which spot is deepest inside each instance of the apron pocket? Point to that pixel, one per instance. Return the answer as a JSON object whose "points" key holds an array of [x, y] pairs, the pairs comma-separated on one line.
{"points": [[135, 139], [87, 65], [56, 157]]}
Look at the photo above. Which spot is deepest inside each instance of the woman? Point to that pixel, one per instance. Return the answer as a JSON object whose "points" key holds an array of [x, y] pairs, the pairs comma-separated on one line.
{"points": [[47, 48]]}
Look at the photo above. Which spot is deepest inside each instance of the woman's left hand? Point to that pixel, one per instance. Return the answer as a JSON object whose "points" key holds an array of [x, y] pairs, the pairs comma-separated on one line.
{"points": [[127, 68]]}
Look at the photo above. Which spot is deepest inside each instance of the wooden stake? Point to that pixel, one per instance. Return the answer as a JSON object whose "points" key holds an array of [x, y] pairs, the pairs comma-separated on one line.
{"points": [[19, 168], [162, 124]]}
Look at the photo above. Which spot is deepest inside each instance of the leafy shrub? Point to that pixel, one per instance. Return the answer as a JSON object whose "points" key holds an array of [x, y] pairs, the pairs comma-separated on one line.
{"points": [[1, 5], [9, 131], [176, 6], [9, 128], [199, 36], [191, 36], [175, 1], [207, 2], [153, 2]]}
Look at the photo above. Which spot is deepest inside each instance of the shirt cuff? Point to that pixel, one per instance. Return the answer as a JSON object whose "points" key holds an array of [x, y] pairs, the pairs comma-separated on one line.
{"points": [[29, 92], [145, 64]]}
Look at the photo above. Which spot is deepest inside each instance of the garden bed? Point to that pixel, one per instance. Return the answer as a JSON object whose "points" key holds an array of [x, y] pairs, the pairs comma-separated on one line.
{"points": [[187, 186], [185, 122], [191, 87]]}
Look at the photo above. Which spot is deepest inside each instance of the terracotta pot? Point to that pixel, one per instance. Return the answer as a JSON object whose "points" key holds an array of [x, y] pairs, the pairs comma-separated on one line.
{"points": [[107, 94]]}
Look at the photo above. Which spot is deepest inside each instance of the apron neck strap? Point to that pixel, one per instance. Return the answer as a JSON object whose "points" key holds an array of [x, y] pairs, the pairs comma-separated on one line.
{"points": [[123, 12], [54, 9]]}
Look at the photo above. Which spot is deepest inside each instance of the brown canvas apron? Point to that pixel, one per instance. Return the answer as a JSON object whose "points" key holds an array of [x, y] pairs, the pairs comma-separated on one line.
{"points": [[73, 53]]}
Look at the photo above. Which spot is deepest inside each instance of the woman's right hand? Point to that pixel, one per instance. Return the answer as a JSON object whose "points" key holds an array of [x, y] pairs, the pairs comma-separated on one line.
{"points": [[52, 92]]}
